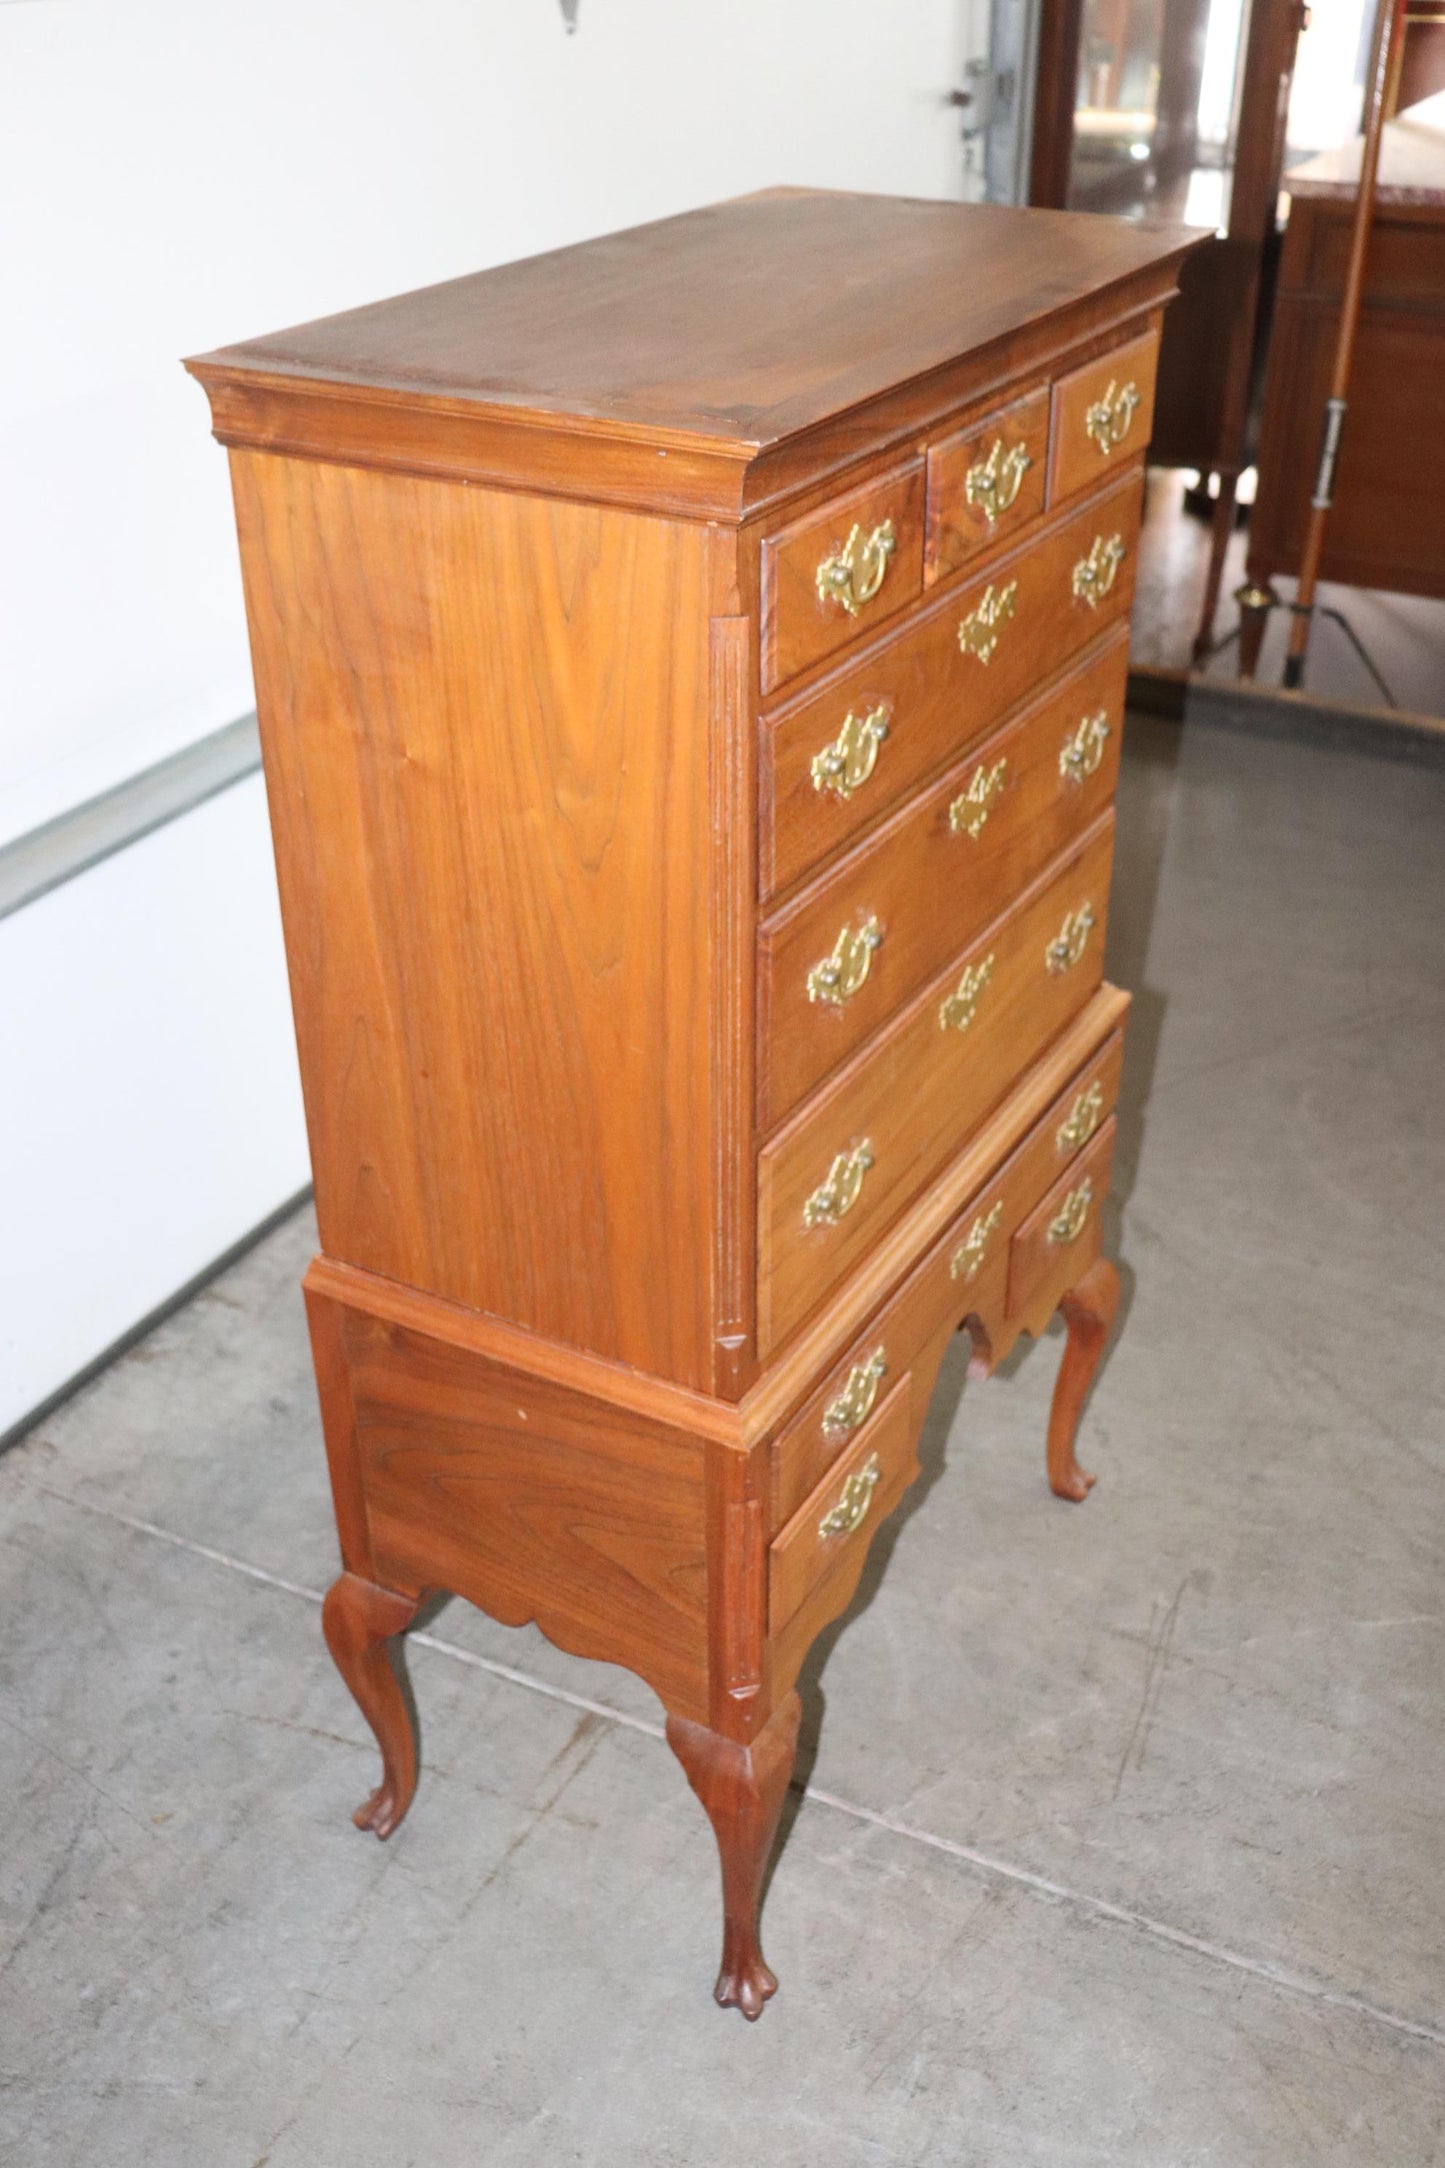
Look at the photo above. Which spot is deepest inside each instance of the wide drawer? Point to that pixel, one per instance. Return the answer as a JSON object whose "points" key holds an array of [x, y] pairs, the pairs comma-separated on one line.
{"points": [[838, 1518], [1048, 1249], [866, 1144], [986, 484], [964, 1271], [1103, 414], [837, 961], [835, 574], [835, 762]]}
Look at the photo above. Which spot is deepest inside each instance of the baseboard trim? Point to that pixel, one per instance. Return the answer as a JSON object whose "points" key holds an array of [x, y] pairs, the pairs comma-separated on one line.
{"points": [[1271, 712], [152, 1318], [33, 864]]}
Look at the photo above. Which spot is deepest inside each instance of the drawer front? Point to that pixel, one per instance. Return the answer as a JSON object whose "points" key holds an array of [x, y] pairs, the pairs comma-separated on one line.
{"points": [[864, 1146], [986, 484], [833, 965], [1103, 414], [1061, 1234], [836, 574], [965, 1270], [835, 1523], [835, 762]]}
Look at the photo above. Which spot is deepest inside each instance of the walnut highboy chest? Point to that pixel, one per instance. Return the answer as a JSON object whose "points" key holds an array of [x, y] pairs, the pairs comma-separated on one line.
{"points": [[690, 671]]}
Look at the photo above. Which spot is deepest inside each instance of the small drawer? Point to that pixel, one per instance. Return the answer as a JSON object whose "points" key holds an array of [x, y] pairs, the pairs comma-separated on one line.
{"points": [[835, 963], [835, 1523], [1060, 1237], [836, 761], [836, 574], [1103, 415], [986, 484], [863, 1147]]}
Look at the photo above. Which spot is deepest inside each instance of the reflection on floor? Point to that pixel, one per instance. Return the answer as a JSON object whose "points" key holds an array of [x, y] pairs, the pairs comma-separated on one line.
{"points": [[1403, 634]]}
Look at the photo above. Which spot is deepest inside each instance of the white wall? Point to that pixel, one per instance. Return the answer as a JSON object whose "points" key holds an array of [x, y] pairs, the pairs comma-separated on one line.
{"points": [[149, 1111], [175, 176]]}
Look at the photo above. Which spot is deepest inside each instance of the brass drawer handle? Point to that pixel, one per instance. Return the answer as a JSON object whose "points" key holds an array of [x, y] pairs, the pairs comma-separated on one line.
{"points": [[854, 1404], [994, 483], [957, 1010], [1095, 574], [1083, 1119], [971, 808], [1072, 938], [1083, 748], [1109, 419], [978, 633], [1068, 1223], [854, 1500], [969, 1256], [838, 977], [846, 764], [839, 1193], [854, 574]]}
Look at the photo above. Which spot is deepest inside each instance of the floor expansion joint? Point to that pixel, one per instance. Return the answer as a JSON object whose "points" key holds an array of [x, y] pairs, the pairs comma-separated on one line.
{"points": [[1265, 1970]]}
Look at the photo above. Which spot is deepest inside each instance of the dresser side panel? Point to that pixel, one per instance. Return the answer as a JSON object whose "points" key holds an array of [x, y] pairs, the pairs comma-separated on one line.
{"points": [[485, 719]]}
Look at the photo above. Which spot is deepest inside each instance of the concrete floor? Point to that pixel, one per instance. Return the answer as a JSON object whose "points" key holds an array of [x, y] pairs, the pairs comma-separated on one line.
{"points": [[1122, 1840]]}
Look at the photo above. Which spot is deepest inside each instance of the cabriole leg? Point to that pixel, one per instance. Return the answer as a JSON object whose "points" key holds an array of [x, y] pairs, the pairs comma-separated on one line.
{"points": [[742, 1789], [1088, 1311], [358, 1620]]}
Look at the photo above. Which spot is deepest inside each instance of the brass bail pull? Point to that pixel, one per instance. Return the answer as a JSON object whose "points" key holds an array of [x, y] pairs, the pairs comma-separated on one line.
{"points": [[839, 1192], [854, 573], [846, 764], [854, 1500], [994, 483]]}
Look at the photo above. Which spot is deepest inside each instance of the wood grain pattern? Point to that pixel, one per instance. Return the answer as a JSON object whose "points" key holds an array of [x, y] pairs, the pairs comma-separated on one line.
{"points": [[800, 627], [1037, 1254], [804, 1552], [917, 1092], [834, 1589], [1077, 460], [751, 344], [928, 885], [793, 1370], [1088, 1312], [732, 911], [1084, 1050], [536, 1504], [361, 1623], [528, 559], [742, 1789], [326, 1322], [936, 1296], [1385, 528], [486, 721], [958, 528], [938, 700], [512, 1347]]}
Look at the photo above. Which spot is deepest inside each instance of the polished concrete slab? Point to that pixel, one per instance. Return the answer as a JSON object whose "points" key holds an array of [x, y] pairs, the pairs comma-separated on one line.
{"points": [[1122, 1828]]}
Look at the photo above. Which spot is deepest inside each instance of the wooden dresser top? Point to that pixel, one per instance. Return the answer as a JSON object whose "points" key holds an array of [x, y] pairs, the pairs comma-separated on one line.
{"points": [[721, 334]]}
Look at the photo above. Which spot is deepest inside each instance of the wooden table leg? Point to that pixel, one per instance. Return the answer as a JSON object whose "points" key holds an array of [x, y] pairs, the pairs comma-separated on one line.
{"points": [[1220, 530], [1088, 1311], [742, 1788], [359, 1620], [1255, 603]]}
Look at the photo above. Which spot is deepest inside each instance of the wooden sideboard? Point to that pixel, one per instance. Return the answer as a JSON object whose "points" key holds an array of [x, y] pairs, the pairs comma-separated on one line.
{"points": [[690, 671], [1385, 527]]}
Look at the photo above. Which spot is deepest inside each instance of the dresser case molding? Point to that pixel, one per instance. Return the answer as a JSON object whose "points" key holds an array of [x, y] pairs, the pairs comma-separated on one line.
{"points": [[620, 620]]}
